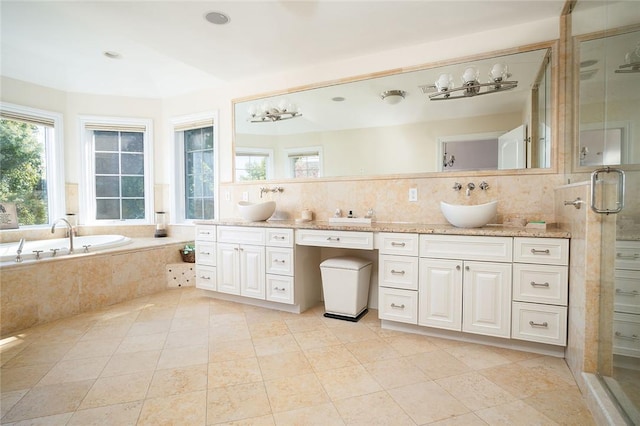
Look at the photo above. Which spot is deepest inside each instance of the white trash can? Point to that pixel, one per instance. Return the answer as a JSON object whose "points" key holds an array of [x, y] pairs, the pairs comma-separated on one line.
{"points": [[345, 283]]}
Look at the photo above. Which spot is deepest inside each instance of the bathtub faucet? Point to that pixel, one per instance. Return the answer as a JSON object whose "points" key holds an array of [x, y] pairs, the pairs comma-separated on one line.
{"points": [[53, 228]]}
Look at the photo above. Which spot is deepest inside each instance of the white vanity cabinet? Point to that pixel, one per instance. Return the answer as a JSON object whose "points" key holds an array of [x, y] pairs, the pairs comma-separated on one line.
{"points": [[626, 316], [206, 257], [398, 277], [241, 261], [465, 284], [540, 290], [280, 266]]}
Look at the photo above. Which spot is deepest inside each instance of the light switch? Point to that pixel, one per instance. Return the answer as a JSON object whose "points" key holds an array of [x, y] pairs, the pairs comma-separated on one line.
{"points": [[245, 196], [413, 194]]}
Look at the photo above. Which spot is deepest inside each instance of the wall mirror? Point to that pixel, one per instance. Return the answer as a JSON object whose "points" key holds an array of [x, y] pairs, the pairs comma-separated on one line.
{"points": [[397, 124], [607, 70]]}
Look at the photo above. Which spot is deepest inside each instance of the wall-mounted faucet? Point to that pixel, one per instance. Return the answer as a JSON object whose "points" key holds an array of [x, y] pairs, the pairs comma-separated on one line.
{"points": [[19, 251], [457, 186], [265, 189], [53, 229], [484, 185], [470, 187]]}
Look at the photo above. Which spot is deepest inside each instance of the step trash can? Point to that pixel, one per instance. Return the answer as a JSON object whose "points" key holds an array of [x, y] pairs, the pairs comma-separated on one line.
{"points": [[345, 283]]}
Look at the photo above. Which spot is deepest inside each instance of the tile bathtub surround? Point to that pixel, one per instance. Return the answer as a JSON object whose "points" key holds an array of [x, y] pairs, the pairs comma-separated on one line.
{"points": [[181, 356]]}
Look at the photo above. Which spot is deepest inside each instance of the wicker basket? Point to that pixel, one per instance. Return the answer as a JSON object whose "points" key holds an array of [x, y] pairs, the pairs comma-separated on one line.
{"points": [[189, 257]]}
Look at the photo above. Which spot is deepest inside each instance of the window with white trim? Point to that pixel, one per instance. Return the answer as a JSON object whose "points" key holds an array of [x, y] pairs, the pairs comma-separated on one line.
{"points": [[253, 164], [117, 179], [195, 167], [32, 163], [304, 162]]}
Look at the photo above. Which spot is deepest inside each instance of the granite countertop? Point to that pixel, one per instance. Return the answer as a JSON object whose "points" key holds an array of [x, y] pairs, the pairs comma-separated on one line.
{"points": [[403, 227]]}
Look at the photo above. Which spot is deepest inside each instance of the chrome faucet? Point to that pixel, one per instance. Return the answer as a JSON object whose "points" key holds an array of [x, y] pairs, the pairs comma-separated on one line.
{"points": [[470, 187], [53, 228], [19, 251]]}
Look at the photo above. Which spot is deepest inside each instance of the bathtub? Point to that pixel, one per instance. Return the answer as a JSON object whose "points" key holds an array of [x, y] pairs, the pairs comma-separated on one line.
{"points": [[95, 243]]}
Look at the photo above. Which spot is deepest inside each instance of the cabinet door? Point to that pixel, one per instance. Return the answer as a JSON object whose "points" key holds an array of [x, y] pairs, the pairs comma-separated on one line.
{"points": [[487, 299], [440, 302], [206, 277], [398, 272], [206, 253], [252, 271], [228, 268]]}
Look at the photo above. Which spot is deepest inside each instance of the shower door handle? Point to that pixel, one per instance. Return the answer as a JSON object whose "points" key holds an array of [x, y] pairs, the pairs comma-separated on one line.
{"points": [[620, 192]]}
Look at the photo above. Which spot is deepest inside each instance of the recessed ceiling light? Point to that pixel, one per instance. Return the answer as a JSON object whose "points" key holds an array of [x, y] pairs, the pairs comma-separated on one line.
{"points": [[217, 18], [338, 99], [112, 55]]}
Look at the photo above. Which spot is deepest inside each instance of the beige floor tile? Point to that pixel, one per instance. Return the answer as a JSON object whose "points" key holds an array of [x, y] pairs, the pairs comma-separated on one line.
{"points": [[556, 366], [199, 308], [186, 409], [230, 350], [117, 389], [74, 370], [427, 402], [37, 353], [128, 363], [330, 357], [566, 407], [292, 393], [523, 382], [298, 325], [439, 364], [411, 344], [269, 329], [9, 399], [178, 380], [119, 414], [284, 365], [514, 413], [233, 331], [226, 319], [14, 379], [349, 333], [156, 313], [183, 356], [396, 372], [234, 372], [477, 356], [255, 315], [237, 402], [275, 345], [141, 328], [469, 419], [372, 350], [103, 332], [316, 338], [346, 382], [180, 339], [140, 343], [49, 400], [189, 323], [93, 348], [372, 409], [318, 415], [56, 419], [475, 391], [254, 421], [513, 355]]}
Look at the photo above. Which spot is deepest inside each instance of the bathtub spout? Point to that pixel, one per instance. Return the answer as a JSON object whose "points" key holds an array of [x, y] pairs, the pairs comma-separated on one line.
{"points": [[53, 228]]}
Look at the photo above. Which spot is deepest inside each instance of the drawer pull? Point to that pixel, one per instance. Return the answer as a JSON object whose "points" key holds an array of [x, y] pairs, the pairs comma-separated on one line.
{"points": [[206, 253], [537, 324], [394, 272], [204, 277], [393, 305], [622, 336], [279, 289], [535, 284], [394, 244], [278, 261], [628, 257], [205, 233], [546, 251], [278, 237], [626, 293], [333, 238]]}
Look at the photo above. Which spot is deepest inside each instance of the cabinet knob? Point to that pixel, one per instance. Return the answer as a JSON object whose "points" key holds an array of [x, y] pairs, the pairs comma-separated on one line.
{"points": [[466, 268], [458, 267]]}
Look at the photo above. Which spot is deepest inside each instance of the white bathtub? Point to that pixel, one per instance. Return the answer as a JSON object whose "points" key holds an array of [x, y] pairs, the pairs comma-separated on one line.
{"points": [[95, 243]]}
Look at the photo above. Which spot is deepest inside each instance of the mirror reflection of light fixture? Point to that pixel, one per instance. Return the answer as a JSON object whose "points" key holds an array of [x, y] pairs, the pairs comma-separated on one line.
{"points": [[498, 82], [631, 61], [393, 97], [449, 162], [268, 112]]}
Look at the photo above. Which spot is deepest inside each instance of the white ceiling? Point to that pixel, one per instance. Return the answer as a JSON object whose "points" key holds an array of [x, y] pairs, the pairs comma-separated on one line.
{"points": [[168, 48]]}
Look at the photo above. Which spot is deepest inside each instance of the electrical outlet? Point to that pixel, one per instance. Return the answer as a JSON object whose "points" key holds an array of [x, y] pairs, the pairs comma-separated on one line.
{"points": [[413, 194], [245, 196], [227, 196]]}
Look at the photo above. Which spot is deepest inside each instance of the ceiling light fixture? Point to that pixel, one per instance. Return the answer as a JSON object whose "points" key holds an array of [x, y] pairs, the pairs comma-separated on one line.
{"points": [[268, 112], [498, 82], [217, 18], [631, 61], [393, 97]]}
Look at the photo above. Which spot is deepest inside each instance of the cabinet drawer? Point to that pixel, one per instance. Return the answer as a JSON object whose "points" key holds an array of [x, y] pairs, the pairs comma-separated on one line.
{"points": [[497, 249], [626, 335], [337, 239], [549, 251], [627, 293], [540, 284], [206, 253], [398, 305], [279, 261], [241, 235], [398, 272], [277, 237], [398, 243], [206, 277], [628, 255], [539, 323], [280, 288], [205, 233]]}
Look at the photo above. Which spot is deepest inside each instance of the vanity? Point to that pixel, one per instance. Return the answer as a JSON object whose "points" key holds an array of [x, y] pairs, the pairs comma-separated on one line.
{"points": [[496, 285]]}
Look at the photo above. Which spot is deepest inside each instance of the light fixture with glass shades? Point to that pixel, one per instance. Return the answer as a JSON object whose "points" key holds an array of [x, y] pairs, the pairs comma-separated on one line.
{"points": [[271, 112], [471, 86], [631, 62], [393, 97]]}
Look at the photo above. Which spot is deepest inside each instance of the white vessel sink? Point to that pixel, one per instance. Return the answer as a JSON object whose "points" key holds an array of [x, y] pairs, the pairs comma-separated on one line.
{"points": [[256, 212], [473, 216]]}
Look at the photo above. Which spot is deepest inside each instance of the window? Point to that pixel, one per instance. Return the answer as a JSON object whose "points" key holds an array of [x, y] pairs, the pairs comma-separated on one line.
{"points": [[304, 162], [31, 163], [117, 179], [253, 164], [195, 167]]}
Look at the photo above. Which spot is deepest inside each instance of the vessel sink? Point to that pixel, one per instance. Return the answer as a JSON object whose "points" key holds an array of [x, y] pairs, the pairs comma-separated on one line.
{"points": [[474, 216], [256, 212]]}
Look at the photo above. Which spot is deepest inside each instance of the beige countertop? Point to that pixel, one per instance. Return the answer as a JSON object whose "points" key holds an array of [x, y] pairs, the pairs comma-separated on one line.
{"points": [[419, 228]]}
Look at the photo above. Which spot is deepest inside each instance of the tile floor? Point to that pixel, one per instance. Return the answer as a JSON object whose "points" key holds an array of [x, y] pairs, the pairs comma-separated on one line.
{"points": [[180, 357]]}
